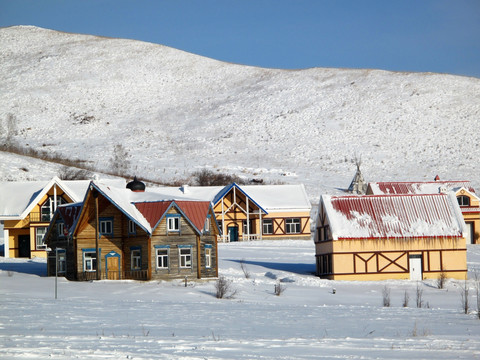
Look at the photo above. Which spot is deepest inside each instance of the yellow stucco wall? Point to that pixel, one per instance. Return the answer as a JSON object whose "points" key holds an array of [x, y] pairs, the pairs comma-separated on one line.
{"points": [[389, 258]]}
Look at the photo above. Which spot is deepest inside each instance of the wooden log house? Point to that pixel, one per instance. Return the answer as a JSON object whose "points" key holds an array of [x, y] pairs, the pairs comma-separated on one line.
{"points": [[133, 234]]}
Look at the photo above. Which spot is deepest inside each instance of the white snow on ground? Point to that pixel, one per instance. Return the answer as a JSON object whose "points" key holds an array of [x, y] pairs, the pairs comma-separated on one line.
{"points": [[175, 112], [140, 320]]}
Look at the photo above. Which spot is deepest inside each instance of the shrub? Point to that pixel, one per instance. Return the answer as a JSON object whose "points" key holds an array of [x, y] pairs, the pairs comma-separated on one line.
{"points": [[419, 296], [386, 296], [442, 278], [279, 289], [406, 299], [246, 273], [207, 177], [224, 289]]}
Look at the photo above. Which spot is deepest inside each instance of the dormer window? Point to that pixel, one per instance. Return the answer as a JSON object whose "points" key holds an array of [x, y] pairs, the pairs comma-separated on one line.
{"points": [[463, 200]]}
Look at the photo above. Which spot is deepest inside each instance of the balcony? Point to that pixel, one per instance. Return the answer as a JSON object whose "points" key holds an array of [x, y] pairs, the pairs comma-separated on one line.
{"points": [[37, 217]]}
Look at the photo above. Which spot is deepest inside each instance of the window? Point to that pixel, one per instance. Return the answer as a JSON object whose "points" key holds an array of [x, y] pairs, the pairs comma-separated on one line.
{"points": [[162, 258], [61, 264], [136, 259], [208, 256], [39, 235], [132, 229], [186, 257], [292, 226], [89, 261], [463, 200], [324, 264], [206, 227], [173, 223], [324, 233], [48, 207], [268, 226], [61, 229], [106, 226]]}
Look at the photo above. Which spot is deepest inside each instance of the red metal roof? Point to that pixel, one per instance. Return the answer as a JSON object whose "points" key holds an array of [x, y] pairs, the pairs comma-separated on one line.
{"points": [[385, 216], [422, 187], [195, 211], [153, 211]]}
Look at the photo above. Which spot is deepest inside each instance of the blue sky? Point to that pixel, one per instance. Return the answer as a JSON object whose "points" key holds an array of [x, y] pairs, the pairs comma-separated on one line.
{"points": [[400, 35]]}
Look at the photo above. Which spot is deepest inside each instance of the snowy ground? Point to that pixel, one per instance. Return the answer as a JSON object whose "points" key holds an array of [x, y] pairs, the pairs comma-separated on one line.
{"points": [[142, 320]]}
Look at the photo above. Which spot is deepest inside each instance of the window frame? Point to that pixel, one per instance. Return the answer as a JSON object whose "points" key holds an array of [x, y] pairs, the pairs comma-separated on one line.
{"points": [[134, 259], [132, 227], [206, 226], [62, 261], [105, 221], [173, 219], [165, 257], [296, 223], [61, 229], [269, 224], [185, 259], [46, 209], [41, 246], [92, 258], [208, 256], [461, 200]]}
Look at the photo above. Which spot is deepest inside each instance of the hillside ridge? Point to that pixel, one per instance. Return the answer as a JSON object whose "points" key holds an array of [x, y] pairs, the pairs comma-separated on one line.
{"points": [[172, 112]]}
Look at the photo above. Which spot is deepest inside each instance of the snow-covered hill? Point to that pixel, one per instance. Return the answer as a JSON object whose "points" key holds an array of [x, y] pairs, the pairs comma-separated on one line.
{"points": [[175, 112]]}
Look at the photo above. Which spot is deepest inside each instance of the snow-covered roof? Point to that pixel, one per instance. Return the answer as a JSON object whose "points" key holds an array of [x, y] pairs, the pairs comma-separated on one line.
{"points": [[17, 199], [393, 216], [271, 198], [147, 208], [422, 187]]}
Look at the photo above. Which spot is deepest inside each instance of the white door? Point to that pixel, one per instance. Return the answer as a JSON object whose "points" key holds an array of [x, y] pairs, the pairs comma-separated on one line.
{"points": [[415, 263], [469, 233]]}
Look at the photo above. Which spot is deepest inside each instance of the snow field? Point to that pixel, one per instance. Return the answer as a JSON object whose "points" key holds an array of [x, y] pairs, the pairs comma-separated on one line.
{"points": [[166, 320]]}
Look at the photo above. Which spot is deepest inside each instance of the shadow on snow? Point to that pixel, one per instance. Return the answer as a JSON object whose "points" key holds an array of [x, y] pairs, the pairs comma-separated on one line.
{"points": [[296, 268], [26, 267]]}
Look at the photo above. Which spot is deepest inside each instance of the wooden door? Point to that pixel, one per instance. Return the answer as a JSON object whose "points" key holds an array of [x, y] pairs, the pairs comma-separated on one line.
{"points": [[24, 246], [415, 263], [112, 266], [233, 233], [469, 233]]}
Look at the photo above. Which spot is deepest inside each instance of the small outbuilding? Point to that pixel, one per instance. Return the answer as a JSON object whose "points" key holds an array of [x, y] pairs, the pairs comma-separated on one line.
{"points": [[377, 237]]}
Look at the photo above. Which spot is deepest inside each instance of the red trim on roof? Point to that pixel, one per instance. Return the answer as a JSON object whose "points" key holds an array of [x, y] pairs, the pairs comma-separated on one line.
{"points": [[413, 187]]}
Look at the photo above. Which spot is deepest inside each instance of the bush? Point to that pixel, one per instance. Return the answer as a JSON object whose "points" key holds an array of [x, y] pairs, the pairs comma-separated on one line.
{"points": [[206, 177], [442, 278], [386, 296], [224, 289], [279, 289], [67, 173]]}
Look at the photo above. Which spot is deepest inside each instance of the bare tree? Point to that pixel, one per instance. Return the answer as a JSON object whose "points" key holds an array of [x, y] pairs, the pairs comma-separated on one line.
{"points": [[406, 299], [419, 296], [464, 291], [243, 266], [119, 160]]}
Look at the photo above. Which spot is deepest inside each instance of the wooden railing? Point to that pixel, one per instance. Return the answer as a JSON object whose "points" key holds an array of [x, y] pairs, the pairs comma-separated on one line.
{"points": [[39, 217], [114, 275]]}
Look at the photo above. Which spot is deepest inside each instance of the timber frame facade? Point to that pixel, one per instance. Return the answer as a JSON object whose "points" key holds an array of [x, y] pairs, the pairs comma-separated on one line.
{"points": [[341, 256], [142, 240], [24, 230], [241, 217]]}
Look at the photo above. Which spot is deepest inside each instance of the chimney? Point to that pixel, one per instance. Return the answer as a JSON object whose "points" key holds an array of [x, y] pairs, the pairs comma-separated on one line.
{"points": [[184, 188], [437, 178]]}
